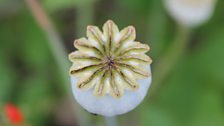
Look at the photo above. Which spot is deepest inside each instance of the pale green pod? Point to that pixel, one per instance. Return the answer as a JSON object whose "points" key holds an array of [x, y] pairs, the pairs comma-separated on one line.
{"points": [[110, 74], [190, 13]]}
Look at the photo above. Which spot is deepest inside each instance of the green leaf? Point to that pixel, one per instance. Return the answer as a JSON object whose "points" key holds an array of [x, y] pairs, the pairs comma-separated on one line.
{"points": [[36, 99], [156, 115], [209, 110], [34, 49], [7, 79]]}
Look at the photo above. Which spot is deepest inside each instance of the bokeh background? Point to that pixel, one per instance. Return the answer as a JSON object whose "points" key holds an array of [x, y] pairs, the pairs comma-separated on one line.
{"points": [[34, 65]]}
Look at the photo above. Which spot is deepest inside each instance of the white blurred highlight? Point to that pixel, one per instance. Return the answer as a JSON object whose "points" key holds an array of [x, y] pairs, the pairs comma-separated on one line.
{"points": [[190, 13]]}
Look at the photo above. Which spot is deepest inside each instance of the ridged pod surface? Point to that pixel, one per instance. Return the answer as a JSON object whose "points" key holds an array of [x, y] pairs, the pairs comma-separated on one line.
{"points": [[111, 73]]}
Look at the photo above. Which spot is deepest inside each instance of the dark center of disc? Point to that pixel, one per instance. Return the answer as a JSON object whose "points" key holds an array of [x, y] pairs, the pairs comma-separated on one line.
{"points": [[110, 62]]}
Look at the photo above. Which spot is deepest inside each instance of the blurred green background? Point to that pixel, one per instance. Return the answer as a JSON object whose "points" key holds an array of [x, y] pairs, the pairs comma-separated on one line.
{"points": [[192, 94]]}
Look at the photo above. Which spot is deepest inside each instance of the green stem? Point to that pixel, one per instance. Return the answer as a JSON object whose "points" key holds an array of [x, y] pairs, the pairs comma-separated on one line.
{"points": [[168, 61], [58, 51], [111, 121]]}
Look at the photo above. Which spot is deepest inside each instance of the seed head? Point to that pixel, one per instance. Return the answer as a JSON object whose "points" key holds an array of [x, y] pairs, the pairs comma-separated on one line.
{"points": [[109, 63]]}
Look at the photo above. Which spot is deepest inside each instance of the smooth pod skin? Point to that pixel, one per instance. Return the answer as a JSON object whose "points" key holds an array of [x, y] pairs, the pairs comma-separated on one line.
{"points": [[108, 105], [190, 12]]}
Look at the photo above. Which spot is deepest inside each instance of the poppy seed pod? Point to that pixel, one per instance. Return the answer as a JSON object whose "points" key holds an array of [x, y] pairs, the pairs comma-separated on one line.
{"points": [[190, 13], [111, 73]]}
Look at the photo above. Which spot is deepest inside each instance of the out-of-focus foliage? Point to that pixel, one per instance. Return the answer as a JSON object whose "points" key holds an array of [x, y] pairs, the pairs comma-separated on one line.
{"points": [[191, 95], [53, 5]]}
